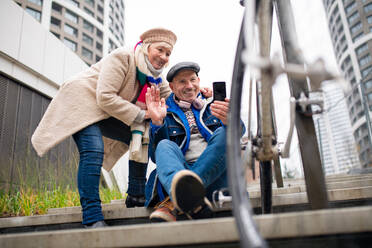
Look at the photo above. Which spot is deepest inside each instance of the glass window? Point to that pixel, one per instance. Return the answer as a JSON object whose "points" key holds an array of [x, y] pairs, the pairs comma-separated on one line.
{"points": [[98, 58], [100, 9], [71, 16], [350, 7], [365, 60], [370, 97], [34, 13], [366, 71], [100, 20], [368, 84], [356, 28], [73, 2], [353, 17], [90, 2], [99, 46], [72, 45], [87, 53], [56, 7], [89, 12], [99, 33], [369, 19], [87, 39], [368, 8], [88, 26], [71, 30], [361, 49], [358, 37], [55, 22], [37, 2]]}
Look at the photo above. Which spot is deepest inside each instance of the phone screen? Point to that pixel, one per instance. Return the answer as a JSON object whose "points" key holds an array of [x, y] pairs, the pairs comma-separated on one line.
{"points": [[219, 91]]}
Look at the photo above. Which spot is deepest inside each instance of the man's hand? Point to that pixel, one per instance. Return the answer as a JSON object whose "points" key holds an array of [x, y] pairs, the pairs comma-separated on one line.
{"points": [[220, 109], [207, 92], [156, 108]]}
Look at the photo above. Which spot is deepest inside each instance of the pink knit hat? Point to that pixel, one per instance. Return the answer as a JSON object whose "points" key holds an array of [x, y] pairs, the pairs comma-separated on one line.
{"points": [[159, 35]]}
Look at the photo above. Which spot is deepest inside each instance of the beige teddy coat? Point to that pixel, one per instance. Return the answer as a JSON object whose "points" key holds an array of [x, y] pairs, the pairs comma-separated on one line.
{"points": [[105, 89]]}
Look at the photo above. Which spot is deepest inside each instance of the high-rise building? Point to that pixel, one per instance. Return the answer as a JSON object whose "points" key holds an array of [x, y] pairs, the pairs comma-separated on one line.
{"points": [[350, 26], [90, 28], [333, 128]]}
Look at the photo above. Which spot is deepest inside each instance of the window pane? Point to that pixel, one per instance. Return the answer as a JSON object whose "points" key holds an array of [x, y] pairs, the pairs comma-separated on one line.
{"points": [[365, 60], [71, 16], [87, 53], [353, 17], [87, 39], [70, 44], [368, 8], [55, 22], [362, 48], [350, 7], [71, 30], [99, 46], [56, 7], [73, 2], [34, 13], [368, 84], [356, 27], [90, 2], [37, 2], [88, 26], [88, 12], [369, 19]]}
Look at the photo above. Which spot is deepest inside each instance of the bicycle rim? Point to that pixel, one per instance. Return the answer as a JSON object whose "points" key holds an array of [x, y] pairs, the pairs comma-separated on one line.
{"points": [[242, 210]]}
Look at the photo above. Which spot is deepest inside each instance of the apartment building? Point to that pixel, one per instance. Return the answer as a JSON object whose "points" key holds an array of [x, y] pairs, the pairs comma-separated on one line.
{"points": [[90, 28], [350, 26]]}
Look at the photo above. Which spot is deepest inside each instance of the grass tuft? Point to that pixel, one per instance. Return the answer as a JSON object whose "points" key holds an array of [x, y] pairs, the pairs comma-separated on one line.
{"points": [[28, 201]]}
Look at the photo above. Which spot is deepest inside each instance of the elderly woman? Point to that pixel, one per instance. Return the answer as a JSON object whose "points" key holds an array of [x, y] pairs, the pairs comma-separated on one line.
{"points": [[99, 107]]}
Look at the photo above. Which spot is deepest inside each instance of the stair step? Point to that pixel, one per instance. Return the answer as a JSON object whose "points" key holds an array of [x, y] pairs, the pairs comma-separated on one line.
{"points": [[308, 224], [116, 213]]}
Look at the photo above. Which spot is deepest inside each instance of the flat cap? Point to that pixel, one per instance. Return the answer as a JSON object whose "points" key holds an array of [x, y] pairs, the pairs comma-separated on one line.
{"points": [[159, 35], [182, 66]]}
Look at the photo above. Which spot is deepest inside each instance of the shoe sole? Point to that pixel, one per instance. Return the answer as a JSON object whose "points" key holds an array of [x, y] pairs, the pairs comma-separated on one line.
{"points": [[190, 191]]}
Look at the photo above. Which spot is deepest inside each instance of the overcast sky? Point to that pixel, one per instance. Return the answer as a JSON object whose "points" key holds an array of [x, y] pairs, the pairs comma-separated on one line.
{"points": [[207, 32]]}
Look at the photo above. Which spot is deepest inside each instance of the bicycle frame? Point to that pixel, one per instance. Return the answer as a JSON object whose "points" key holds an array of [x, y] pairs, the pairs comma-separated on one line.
{"points": [[264, 147]]}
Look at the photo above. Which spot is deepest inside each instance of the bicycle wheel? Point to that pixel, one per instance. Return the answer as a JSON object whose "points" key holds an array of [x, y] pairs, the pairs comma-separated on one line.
{"points": [[266, 186], [249, 235]]}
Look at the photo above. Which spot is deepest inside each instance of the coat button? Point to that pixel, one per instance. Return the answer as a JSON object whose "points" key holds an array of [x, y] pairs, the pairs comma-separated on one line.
{"points": [[215, 120], [174, 132]]}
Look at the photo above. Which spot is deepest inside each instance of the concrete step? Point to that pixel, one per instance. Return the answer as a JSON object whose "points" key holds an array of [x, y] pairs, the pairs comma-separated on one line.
{"points": [[255, 191], [117, 214], [221, 232]]}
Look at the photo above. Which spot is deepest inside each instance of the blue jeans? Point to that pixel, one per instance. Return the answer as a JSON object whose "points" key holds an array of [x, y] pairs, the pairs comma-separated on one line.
{"points": [[91, 149], [210, 166]]}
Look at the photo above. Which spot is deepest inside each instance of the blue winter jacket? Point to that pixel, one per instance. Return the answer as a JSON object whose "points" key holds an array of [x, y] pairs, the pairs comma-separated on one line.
{"points": [[176, 128]]}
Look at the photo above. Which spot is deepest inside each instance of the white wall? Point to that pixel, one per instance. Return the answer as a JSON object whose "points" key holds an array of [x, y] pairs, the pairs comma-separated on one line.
{"points": [[31, 54]]}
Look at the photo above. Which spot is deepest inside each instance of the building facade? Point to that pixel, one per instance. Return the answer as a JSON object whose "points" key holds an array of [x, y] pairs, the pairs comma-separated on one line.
{"points": [[90, 28], [333, 128], [350, 26]]}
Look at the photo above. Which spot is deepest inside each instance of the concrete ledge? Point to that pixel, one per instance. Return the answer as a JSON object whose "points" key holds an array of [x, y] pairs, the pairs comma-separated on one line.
{"points": [[118, 211], [222, 230], [110, 212]]}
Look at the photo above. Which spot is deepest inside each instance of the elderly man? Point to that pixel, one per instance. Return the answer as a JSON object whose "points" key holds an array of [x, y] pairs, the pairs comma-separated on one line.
{"points": [[187, 143]]}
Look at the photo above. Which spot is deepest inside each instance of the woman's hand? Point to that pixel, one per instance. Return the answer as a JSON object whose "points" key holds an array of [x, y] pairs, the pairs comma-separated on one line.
{"points": [[207, 92], [156, 108], [220, 109]]}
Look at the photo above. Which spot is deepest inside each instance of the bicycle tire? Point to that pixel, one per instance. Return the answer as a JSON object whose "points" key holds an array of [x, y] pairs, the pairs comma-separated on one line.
{"points": [[266, 186], [242, 210]]}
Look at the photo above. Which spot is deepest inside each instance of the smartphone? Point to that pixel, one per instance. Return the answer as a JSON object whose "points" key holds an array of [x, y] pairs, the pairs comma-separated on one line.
{"points": [[219, 91]]}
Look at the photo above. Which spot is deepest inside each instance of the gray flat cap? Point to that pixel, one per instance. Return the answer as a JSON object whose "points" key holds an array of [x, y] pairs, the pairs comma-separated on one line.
{"points": [[182, 66]]}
